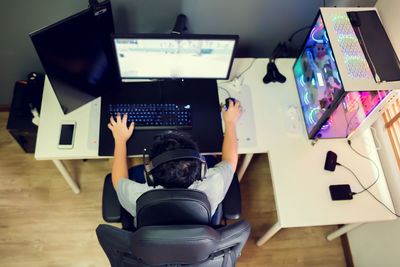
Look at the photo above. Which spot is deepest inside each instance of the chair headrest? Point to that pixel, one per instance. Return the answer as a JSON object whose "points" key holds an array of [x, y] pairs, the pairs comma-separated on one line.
{"points": [[173, 207], [180, 244]]}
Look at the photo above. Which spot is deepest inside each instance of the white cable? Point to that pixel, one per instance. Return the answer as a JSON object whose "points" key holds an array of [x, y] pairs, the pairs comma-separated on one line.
{"points": [[36, 118]]}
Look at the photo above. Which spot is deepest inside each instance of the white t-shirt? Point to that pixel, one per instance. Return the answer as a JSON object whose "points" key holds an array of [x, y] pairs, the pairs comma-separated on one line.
{"points": [[214, 185]]}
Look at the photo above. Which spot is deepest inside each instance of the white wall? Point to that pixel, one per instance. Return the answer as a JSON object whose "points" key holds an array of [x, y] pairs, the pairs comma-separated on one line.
{"points": [[378, 244], [389, 12], [259, 23]]}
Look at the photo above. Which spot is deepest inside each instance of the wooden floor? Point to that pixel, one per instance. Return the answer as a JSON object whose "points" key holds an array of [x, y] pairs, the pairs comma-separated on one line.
{"points": [[43, 223]]}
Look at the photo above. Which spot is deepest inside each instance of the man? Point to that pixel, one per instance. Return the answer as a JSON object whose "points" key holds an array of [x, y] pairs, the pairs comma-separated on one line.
{"points": [[179, 173]]}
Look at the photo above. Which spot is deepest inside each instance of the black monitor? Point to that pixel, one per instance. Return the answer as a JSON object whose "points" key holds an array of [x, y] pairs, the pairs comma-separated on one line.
{"points": [[173, 56], [76, 54]]}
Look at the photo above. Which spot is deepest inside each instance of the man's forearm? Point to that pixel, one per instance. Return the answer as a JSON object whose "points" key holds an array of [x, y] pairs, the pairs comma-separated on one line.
{"points": [[120, 166], [230, 146]]}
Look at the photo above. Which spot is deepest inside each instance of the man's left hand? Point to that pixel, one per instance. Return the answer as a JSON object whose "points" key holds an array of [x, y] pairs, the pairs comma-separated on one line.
{"points": [[119, 128]]}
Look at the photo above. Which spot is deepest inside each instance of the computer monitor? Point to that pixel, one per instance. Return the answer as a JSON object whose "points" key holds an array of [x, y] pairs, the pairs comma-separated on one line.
{"points": [[173, 56], [76, 54]]}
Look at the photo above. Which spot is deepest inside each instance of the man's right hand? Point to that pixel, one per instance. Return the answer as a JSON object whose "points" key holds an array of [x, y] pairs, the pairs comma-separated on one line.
{"points": [[233, 113], [230, 145]]}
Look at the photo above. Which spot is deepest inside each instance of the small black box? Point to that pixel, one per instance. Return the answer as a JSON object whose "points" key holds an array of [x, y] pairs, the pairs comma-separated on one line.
{"points": [[330, 161], [340, 192]]}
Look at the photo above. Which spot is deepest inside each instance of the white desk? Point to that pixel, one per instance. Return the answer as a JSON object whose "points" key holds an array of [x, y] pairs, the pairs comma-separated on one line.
{"points": [[301, 185]]}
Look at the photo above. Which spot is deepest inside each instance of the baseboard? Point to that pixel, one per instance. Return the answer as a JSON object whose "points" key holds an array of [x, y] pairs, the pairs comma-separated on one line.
{"points": [[5, 108]]}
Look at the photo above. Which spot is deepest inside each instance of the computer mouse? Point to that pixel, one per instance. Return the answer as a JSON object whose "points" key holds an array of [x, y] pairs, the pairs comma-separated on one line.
{"points": [[227, 102]]}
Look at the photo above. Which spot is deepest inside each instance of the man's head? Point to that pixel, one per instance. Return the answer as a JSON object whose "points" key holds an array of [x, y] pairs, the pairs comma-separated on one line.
{"points": [[177, 173]]}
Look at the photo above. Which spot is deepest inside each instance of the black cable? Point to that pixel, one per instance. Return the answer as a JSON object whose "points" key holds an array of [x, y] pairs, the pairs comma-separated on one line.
{"points": [[294, 50], [296, 32], [373, 162], [243, 72], [220, 87], [251, 65], [364, 188], [361, 155], [397, 215]]}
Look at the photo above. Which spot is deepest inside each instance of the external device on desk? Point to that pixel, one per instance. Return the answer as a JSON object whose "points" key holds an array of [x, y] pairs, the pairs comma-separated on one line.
{"points": [[340, 192], [27, 97], [76, 54], [67, 134], [330, 162], [182, 72]]}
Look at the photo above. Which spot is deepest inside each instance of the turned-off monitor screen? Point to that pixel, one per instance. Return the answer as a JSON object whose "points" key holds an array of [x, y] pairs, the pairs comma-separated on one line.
{"points": [[172, 57]]}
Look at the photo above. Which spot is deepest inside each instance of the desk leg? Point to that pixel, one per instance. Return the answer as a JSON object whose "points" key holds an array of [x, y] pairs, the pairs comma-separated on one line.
{"points": [[342, 230], [244, 165], [61, 167], [270, 233]]}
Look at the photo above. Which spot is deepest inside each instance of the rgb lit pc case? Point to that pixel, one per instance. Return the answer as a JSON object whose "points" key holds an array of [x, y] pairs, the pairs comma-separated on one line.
{"points": [[339, 93]]}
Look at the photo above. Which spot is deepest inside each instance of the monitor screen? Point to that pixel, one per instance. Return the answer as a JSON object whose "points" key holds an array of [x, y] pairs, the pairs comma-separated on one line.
{"points": [[175, 56], [76, 54]]}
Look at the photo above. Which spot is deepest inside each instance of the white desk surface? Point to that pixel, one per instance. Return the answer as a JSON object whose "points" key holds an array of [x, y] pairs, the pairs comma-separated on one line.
{"points": [[87, 130], [301, 185]]}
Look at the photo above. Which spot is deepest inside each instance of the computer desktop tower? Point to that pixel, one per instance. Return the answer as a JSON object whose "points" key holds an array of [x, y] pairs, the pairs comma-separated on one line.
{"points": [[343, 80], [27, 95]]}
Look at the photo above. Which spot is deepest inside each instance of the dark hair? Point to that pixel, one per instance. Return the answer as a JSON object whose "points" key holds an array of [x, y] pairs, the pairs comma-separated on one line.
{"points": [[179, 173]]}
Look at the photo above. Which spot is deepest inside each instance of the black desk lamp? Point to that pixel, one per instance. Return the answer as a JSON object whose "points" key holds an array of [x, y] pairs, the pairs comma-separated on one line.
{"points": [[273, 74], [180, 26]]}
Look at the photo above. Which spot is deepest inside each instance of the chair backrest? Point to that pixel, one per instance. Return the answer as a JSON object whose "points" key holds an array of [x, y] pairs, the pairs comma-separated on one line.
{"points": [[176, 245], [173, 207]]}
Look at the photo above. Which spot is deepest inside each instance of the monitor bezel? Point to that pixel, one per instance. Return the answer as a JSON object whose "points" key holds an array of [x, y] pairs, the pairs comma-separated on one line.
{"points": [[85, 96], [232, 37]]}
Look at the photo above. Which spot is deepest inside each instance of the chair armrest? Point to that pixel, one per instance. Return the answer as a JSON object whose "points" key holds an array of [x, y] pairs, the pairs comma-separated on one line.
{"points": [[111, 208], [232, 203], [114, 242], [234, 234]]}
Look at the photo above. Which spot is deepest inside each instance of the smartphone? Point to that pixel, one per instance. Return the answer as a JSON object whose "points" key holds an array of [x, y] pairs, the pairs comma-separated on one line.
{"points": [[67, 134]]}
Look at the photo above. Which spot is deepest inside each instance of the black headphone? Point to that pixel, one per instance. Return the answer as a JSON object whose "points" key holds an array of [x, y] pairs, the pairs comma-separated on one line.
{"points": [[169, 156]]}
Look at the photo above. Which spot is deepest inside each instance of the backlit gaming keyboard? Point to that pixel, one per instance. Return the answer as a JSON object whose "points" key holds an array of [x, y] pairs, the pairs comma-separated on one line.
{"points": [[155, 116]]}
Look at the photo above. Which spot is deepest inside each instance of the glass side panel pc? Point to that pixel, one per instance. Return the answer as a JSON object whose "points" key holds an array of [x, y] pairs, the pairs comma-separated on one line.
{"points": [[318, 81], [351, 113]]}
